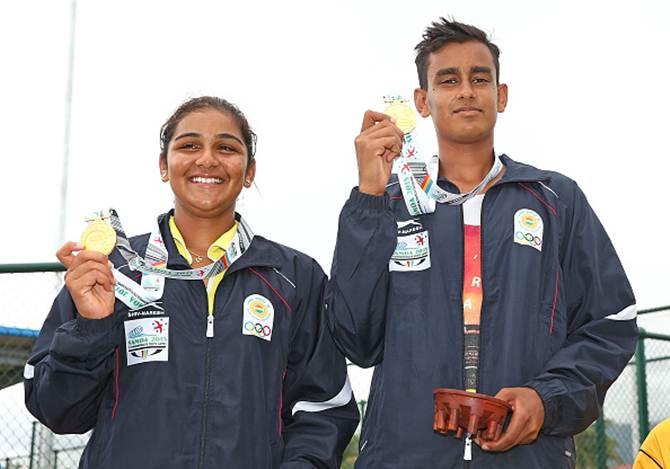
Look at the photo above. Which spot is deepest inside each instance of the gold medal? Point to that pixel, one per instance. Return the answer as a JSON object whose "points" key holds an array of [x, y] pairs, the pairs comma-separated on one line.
{"points": [[99, 236], [405, 117]]}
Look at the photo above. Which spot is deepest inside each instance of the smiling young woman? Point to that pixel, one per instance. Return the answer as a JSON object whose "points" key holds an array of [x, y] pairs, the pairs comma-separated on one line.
{"points": [[238, 370]]}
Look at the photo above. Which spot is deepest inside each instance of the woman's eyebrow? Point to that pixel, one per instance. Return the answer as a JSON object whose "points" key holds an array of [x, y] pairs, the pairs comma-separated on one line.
{"points": [[221, 135], [227, 135], [187, 134]]}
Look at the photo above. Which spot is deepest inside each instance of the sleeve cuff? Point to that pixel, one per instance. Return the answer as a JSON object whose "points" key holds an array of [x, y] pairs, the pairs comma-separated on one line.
{"points": [[367, 201], [547, 393], [95, 326]]}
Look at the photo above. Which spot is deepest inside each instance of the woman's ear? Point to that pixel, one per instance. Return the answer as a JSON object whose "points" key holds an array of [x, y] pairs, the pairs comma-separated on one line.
{"points": [[162, 164], [250, 174]]}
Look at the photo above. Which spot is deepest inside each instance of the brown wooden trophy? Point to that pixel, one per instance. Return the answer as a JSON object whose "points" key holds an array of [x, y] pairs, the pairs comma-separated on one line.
{"points": [[471, 413]]}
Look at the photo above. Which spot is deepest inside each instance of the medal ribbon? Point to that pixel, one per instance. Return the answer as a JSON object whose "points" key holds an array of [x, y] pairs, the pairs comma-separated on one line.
{"points": [[153, 266], [418, 179]]}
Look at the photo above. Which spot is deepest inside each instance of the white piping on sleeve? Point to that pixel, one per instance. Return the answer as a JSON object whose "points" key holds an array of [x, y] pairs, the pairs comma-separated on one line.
{"points": [[28, 371], [630, 312], [342, 398]]}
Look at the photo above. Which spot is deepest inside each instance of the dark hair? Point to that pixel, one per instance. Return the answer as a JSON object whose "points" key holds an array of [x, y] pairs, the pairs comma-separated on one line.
{"points": [[202, 103], [442, 32]]}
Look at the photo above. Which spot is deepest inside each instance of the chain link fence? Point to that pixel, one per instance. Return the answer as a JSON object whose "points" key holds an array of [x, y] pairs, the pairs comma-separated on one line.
{"points": [[636, 402], [27, 292]]}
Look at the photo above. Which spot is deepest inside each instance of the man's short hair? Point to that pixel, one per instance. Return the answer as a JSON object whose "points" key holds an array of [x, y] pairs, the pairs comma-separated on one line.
{"points": [[443, 32]]}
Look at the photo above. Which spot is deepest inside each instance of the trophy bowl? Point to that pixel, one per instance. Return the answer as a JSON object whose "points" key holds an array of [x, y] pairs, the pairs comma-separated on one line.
{"points": [[464, 412]]}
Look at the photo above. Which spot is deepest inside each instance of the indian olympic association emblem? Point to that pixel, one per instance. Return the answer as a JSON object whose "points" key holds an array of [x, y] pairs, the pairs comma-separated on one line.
{"points": [[528, 228], [258, 317]]}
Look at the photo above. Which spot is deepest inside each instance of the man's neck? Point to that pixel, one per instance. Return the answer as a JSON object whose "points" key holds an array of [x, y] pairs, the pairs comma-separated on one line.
{"points": [[465, 165], [199, 232]]}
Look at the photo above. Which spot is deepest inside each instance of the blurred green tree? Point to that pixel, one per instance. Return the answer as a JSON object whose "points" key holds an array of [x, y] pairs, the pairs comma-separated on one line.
{"points": [[586, 444], [351, 453]]}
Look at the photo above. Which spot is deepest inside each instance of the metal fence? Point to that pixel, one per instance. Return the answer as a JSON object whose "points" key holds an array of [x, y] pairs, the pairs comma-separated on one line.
{"points": [[638, 400], [635, 403], [24, 443]]}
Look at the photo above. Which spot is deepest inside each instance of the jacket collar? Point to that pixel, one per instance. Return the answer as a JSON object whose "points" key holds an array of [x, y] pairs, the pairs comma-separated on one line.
{"points": [[259, 253], [520, 172], [514, 172]]}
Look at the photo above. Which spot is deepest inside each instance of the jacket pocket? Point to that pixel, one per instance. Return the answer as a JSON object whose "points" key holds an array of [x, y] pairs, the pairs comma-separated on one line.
{"points": [[569, 453], [555, 317]]}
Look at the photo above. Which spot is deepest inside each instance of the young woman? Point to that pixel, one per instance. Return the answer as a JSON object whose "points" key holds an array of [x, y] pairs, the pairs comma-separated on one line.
{"points": [[217, 355]]}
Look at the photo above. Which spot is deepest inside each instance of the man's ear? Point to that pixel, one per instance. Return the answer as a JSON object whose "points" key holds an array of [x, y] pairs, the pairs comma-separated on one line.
{"points": [[502, 97], [421, 102]]}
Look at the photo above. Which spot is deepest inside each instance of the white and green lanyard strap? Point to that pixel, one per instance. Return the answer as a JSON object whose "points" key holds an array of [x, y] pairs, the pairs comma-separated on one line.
{"points": [[153, 265], [418, 180]]}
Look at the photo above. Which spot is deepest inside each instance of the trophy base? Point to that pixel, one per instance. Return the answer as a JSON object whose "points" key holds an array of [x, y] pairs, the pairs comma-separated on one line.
{"points": [[464, 412]]}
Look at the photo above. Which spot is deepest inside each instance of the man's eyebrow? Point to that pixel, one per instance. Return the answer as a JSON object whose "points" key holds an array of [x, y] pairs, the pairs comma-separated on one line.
{"points": [[195, 134], [481, 69], [447, 71]]}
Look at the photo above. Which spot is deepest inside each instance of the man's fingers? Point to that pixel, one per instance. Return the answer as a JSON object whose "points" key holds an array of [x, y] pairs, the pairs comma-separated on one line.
{"points": [[388, 144], [370, 118], [384, 127], [506, 394], [510, 437], [390, 155]]}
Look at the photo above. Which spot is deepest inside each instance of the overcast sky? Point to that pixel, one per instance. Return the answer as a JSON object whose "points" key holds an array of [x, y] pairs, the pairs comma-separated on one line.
{"points": [[589, 97]]}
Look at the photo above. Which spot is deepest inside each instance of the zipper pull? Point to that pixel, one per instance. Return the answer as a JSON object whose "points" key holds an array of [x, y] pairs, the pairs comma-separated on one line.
{"points": [[467, 452], [210, 325]]}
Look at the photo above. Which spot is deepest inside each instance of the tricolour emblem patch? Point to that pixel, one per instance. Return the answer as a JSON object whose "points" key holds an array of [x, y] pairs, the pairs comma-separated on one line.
{"points": [[147, 340], [258, 317], [412, 253], [528, 228]]}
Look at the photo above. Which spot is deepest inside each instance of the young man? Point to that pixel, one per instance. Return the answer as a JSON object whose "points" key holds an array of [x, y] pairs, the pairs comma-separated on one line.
{"points": [[516, 293]]}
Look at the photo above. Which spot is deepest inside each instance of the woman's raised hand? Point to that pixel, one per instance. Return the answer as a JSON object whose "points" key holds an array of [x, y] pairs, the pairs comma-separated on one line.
{"points": [[89, 280]]}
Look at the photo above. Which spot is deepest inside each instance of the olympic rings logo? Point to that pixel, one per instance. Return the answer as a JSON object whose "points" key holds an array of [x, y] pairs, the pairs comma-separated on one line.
{"points": [[258, 328], [528, 238]]}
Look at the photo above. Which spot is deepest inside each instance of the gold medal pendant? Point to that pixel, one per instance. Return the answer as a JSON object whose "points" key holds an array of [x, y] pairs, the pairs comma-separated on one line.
{"points": [[99, 236], [405, 117]]}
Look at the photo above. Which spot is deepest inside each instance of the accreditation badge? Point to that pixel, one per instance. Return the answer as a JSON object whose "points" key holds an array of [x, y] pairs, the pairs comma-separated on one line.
{"points": [[147, 340], [412, 253], [258, 317]]}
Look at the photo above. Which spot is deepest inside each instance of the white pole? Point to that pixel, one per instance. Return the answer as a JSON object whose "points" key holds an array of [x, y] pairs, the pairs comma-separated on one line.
{"points": [[68, 116]]}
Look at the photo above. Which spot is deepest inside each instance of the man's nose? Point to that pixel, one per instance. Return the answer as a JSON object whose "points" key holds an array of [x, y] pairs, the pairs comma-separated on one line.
{"points": [[466, 90]]}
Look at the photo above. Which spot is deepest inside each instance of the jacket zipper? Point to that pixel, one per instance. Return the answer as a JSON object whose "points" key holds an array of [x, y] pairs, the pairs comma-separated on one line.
{"points": [[467, 447], [462, 318], [467, 450], [481, 272], [203, 432], [205, 398]]}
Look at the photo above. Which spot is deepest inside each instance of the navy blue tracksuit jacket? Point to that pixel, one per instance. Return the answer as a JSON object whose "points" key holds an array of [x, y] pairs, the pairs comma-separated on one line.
{"points": [[228, 401], [560, 320]]}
